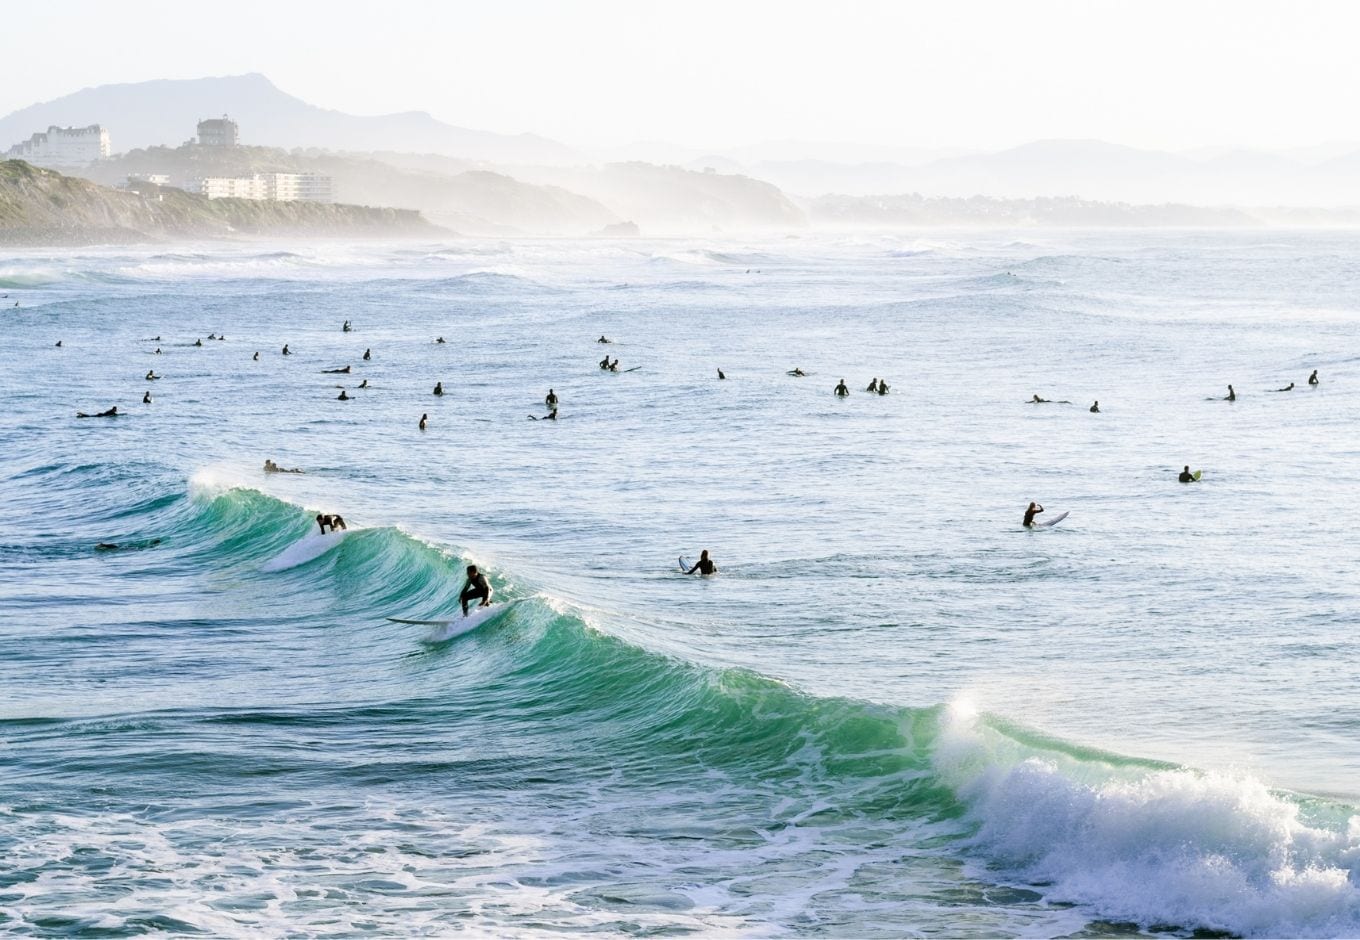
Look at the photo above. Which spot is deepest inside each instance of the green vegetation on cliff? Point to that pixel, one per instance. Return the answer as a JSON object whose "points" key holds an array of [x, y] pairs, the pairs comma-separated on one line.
{"points": [[39, 206]]}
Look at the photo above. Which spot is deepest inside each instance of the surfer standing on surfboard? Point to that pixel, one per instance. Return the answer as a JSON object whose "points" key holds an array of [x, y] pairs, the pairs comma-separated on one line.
{"points": [[476, 586], [1033, 510], [334, 521], [704, 565]]}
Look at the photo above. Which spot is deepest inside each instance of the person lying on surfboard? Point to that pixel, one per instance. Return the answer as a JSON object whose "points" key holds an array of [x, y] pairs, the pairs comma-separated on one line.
{"points": [[476, 586], [704, 565], [1033, 510]]}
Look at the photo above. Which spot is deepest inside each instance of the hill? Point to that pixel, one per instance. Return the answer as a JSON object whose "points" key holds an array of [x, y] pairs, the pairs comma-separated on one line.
{"points": [[43, 207], [166, 112]]}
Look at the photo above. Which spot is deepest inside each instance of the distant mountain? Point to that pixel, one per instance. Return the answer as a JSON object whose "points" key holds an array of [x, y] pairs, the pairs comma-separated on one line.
{"points": [[166, 112]]}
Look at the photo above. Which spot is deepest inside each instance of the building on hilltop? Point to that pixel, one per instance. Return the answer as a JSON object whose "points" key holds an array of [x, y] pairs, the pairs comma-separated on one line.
{"points": [[63, 146], [217, 132], [271, 187]]}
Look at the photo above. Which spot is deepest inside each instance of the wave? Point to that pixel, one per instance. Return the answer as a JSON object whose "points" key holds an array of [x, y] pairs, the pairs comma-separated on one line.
{"points": [[1125, 840]]}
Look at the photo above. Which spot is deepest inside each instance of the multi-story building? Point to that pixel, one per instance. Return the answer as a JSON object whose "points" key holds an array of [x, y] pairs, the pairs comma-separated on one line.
{"points": [[229, 187], [217, 132], [300, 187], [275, 187], [63, 146]]}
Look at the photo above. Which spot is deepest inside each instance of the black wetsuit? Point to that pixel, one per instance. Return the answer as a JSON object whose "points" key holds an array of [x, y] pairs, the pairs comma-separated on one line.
{"points": [[704, 566], [476, 588]]}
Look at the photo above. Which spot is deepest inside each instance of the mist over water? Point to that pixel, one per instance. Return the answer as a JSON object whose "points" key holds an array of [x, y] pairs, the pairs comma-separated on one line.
{"points": [[893, 712]]}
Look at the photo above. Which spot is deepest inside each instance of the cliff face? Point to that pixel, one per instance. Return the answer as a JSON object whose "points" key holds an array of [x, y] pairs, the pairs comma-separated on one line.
{"points": [[43, 207]]}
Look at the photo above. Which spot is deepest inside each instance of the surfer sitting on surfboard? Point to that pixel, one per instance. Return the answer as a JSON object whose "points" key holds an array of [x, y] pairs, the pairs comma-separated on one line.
{"points": [[335, 521], [1033, 510], [476, 586], [704, 565], [1186, 476]]}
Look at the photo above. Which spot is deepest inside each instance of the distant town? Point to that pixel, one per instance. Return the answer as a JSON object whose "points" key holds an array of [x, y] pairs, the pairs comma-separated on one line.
{"points": [[82, 147]]}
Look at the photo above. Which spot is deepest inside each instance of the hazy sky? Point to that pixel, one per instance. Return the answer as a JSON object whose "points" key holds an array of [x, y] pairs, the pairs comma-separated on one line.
{"points": [[1172, 75]]}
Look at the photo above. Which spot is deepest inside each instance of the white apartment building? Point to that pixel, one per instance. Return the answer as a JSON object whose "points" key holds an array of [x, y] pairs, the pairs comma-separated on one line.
{"points": [[63, 146], [274, 187]]}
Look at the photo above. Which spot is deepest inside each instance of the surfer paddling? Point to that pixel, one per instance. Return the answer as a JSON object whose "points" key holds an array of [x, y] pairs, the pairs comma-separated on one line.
{"points": [[704, 565], [476, 587], [111, 413]]}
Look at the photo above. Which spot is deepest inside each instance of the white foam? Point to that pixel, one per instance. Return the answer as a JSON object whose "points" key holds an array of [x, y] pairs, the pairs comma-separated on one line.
{"points": [[1155, 846]]}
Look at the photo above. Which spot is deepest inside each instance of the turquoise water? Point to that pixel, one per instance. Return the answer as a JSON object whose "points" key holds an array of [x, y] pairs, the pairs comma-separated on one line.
{"points": [[894, 711]]}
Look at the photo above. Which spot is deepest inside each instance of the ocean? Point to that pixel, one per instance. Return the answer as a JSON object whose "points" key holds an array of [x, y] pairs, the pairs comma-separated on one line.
{"points": [[893, 712]]}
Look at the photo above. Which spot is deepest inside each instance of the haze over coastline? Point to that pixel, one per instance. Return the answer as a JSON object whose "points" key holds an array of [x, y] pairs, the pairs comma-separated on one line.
{"points": [[626, 470]]}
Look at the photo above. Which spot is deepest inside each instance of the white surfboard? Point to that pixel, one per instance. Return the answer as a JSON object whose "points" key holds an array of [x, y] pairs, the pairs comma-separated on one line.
{"points": [[456, 626], [684, 565], [1050, 523], [304, 550]]}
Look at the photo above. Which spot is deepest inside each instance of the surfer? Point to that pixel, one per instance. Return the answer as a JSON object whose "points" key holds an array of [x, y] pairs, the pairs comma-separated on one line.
{"points": [[111, 413], [271, 467], [602, 339], [342, 396], [604, 363], [146, 398], [199, 342], [334, 520], [285, 350], [345, 328], [364, 384], [614, 366], [873, 385], [476, 586], [842, 390], [1232, 395], [1033, 510], [551, 400], [438, 340], [423, 419], [1313, 379], [1036, 400], [439, 388], [882, 387], [151, 375], [256, 357], [1186, 476], [368, 354], [59, 345], [1095, 408], [344, 371], [796, 371], [157, 352], [212, 336], [720, 374], [704, 565], [1287, 388]]}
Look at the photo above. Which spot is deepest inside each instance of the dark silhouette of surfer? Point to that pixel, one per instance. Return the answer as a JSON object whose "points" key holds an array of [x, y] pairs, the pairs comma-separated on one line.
{"points": [[476, 587], [334, 520], [704, 565], [1186, 476], [439, 388], [111, 413], [842, 390], [423, 419], [1033, 510]]}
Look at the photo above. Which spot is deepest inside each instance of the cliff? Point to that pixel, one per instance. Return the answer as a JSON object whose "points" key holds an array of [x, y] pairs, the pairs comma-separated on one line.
{"points": [[44, 207]]}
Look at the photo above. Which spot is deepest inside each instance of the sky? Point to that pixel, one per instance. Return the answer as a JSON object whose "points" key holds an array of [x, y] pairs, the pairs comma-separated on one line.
{"points": [[601, 73]]}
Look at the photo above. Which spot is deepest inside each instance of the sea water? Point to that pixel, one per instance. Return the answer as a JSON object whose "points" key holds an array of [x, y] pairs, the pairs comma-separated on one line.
{"points": [[893, 712]]}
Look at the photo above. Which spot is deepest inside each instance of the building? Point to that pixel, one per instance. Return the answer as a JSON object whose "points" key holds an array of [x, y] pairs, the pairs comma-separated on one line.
{"points": [[300, 187], [228, 187], [273, 187], [64, 146], [217, 132]]}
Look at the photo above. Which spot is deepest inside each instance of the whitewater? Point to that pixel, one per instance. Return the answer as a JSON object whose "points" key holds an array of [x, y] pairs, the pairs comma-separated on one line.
{"points": [[894, 712]]}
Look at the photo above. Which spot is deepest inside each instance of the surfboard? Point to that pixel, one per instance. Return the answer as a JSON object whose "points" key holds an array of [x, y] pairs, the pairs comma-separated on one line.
{"points": [[1196, 475], [445, 630], [1049, 523], [684, 565], [304, 550]]}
